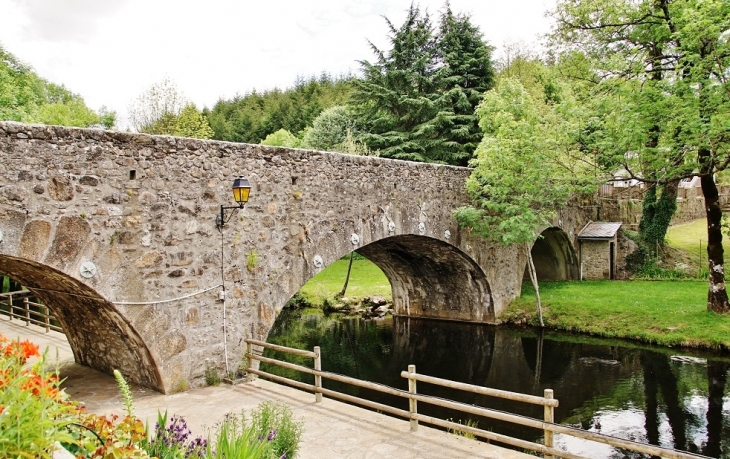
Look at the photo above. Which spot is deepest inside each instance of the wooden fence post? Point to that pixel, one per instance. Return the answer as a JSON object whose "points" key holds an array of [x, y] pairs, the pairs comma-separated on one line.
{"points": [[249, 362], [10, 306], [26, 306], [549, 417], [412, 403], [317, 378]]}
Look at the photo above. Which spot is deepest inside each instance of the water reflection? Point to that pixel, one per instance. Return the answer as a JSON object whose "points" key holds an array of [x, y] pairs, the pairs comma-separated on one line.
{"points": [[640, 393]]}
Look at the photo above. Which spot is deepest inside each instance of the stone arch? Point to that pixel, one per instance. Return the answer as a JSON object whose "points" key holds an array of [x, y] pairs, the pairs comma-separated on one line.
{"points": [[431, 278], [99, 335], [554, 256]]}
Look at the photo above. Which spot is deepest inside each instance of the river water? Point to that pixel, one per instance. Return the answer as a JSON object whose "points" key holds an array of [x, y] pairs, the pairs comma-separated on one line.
{"points": [[674, 398]]}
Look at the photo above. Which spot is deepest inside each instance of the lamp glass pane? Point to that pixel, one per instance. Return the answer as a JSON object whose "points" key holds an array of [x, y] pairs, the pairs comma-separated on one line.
{"points": [[241, 188], [241, 194]]}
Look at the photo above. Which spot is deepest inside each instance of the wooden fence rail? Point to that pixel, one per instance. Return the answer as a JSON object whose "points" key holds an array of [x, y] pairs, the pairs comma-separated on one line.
{"points": [[31, 312], [547, 424]]}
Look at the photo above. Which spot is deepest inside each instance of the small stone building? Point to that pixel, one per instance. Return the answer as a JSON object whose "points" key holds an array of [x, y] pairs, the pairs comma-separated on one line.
{"points": [[597, 243]]}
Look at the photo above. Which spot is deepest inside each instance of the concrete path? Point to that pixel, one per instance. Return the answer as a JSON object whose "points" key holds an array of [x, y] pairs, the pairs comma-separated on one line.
{"points": [[331, 429]]}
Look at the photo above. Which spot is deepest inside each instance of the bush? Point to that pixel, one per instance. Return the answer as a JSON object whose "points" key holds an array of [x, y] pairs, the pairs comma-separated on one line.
{"points": [[298, 301], [271, 434]]}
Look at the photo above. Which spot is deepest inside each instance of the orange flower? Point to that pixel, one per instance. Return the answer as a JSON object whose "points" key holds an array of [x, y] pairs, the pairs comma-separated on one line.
{"points": [[21, 350]]}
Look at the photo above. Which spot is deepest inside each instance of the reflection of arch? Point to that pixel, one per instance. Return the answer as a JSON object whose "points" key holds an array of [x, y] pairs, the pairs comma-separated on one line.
{"points": [[99, 335], [554, 256], [431, 278]]}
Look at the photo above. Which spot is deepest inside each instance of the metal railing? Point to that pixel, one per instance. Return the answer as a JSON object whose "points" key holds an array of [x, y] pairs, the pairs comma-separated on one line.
{"points": [[547, 424], [30, 312]]}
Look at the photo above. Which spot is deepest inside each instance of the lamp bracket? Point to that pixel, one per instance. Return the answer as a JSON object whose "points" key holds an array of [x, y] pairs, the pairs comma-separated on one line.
{"points": [[221, 219]]}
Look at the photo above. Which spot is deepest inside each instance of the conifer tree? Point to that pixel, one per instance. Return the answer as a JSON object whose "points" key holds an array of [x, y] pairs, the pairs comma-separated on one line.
{"points": [[417, 100]]}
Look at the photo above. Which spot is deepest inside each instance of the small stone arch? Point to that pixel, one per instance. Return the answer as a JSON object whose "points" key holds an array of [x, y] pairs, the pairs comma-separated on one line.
{"points": [[99, 335], [554, 256]]}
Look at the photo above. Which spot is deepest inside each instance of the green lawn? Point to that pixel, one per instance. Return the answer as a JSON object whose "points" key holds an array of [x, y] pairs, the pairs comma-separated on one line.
{"points": [[366, 279], [691, 238], [669, 313]]}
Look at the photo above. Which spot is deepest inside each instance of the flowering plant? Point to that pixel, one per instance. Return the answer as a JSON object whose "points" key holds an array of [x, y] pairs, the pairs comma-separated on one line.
{"points": [[34, 413]]}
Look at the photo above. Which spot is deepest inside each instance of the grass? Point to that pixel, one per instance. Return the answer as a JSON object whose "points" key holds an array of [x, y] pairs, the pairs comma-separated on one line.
{"points": [[667, 313], [691, 238], [366, 279]]}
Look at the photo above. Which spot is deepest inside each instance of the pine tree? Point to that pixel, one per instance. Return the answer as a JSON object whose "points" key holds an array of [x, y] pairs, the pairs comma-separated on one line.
{"points": [[395, 100], [465, 75], [417, 100]]}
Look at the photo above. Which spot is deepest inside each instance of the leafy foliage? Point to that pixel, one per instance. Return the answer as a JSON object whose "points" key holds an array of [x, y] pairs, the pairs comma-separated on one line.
{"points": [[329, 129], [164, 110], [281, 138], [28, 98], [253, 116], [523, 171], [662, 93], [417, 100]]}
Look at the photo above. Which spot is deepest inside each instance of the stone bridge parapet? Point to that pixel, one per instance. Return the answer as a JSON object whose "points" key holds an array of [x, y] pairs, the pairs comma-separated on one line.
{"points": [[116, 233]]}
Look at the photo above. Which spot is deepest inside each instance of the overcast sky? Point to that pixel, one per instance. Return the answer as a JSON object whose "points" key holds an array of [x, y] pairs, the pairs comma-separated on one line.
{"points": [[110, 51]]}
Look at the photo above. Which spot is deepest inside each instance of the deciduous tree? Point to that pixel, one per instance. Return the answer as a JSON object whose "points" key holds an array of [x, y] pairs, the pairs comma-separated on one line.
{"points": [[663, 69], [524, 170]]}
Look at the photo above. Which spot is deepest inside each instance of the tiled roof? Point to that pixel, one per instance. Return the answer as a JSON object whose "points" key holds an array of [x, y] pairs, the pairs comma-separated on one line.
{"points": [[599, 230]]}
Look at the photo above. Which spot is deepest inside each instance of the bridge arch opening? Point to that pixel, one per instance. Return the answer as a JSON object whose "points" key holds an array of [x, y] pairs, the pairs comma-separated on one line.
{"points": [[432, 279], [554, 256], [100, 337]]}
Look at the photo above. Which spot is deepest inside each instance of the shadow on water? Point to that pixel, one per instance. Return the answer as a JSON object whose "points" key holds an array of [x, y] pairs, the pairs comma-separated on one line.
{"points": [[667, 397]]}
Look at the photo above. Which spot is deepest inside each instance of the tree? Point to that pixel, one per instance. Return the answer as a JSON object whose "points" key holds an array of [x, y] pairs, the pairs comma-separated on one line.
{"points": [[329, 129], [464, 75], [395, 99], [662, 72], [164, 110], [281, 138], [251, 117], [192, 123], [26, 97], [524, 168], [156, 110], [417, 100]]}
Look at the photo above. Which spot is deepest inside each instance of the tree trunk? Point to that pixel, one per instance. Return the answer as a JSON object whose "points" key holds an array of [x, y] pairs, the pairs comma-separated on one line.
{"points": [[533, 278], [347, 278], [717, 300]]}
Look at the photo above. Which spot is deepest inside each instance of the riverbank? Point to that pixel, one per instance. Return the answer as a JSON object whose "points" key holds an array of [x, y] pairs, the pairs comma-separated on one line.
{"points": [[666, 313]]}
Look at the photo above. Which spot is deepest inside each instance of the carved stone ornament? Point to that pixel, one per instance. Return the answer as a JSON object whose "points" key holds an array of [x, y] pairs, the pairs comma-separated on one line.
{"points": [[421, 228], [355, 239], [318, 261], [87, 269]]}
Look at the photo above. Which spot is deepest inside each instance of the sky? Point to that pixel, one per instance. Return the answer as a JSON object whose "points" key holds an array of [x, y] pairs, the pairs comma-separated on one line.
{"points": [[111, 51]]}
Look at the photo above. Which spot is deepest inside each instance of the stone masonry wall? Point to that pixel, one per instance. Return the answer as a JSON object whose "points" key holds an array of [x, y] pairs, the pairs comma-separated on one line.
{"points": [[142, 209], [595, 260]]}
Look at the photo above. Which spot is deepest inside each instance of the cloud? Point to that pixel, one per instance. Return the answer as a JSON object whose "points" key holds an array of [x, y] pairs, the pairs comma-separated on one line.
{"points": [[68, 20]]}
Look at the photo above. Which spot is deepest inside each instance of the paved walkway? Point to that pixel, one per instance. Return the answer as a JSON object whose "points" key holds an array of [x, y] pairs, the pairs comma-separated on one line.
{"points": [[331, 429]]}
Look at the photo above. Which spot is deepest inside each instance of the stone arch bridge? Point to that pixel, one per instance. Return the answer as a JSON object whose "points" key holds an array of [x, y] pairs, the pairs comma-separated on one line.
{"points": [[116, 233]]}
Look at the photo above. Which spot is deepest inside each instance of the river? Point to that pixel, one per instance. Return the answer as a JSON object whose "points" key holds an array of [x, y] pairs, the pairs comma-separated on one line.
{"points": [[674, 398]]}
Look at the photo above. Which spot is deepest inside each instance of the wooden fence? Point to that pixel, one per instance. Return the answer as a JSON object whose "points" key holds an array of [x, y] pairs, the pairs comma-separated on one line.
{"points": [[30, 312], [547, 424]]}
